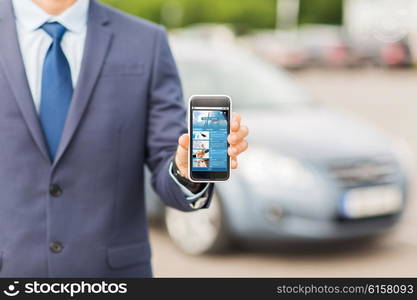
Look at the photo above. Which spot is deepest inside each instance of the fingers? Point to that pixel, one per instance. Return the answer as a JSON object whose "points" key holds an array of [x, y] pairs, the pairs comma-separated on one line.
{"points": [[184, 141], [237, 137], [237, 149], [234, 163], [236, 119], [234, 151]]}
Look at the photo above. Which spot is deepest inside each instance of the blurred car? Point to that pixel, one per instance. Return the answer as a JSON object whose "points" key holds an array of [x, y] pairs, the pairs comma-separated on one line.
{"points": [[380, 31], [208, 32], [280, 48], [396, 54], [310, 174], [326, 45], [383, 54], [309, 46]]}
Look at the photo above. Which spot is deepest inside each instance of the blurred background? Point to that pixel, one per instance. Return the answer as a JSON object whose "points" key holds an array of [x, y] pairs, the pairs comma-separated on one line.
{"points": [[328, 89]]}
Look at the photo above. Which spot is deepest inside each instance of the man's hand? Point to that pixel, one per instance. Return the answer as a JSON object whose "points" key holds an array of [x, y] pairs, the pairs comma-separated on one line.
{"points": [[236, 139]]}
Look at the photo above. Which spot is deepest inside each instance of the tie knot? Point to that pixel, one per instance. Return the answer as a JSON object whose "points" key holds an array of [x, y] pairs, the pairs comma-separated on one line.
{"points": [[55, 30]]}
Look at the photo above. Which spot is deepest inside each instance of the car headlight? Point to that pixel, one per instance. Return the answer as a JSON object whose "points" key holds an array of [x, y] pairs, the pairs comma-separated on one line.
{"points": [[266, 171]]}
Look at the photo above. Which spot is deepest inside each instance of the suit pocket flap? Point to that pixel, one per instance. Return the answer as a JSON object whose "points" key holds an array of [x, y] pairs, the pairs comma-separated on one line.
{"points": [[128, 255]]}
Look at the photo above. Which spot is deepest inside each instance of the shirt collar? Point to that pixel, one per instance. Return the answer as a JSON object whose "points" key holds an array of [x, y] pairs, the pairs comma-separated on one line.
{"points": [[31, 16]]}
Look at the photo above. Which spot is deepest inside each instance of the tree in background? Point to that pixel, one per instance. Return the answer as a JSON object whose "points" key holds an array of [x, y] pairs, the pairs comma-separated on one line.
{"points": [[243, 14], [179, 13], [321, 11]]}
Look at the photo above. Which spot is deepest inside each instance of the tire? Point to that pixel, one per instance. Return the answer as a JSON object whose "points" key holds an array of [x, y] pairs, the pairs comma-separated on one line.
{"points": [[200, 232]]}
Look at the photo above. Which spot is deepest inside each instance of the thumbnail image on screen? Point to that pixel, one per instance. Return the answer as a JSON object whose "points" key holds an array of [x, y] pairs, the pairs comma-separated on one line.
{"points": [[209, 140]]}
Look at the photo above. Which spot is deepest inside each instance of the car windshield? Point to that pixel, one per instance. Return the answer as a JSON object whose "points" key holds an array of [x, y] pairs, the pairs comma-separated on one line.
{"points": [[252, 84]]}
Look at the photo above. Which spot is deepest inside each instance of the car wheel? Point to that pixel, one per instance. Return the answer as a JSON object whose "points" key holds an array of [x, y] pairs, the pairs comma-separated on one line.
{"points": [[199, 232]]}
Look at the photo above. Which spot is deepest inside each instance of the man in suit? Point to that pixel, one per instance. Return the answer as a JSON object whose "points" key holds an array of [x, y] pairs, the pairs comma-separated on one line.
{"points": [[89, 96]]}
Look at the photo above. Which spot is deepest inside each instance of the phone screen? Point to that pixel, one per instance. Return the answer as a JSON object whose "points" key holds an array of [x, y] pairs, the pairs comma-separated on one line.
{"points": [[209, 130]]}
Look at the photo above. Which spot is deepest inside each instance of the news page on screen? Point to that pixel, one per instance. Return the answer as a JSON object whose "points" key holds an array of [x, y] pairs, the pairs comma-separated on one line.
{"points": [[209, 139]]}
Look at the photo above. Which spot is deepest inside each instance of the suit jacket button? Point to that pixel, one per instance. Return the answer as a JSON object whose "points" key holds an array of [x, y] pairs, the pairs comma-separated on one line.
{"points": [[55, 190], [55, 247]]}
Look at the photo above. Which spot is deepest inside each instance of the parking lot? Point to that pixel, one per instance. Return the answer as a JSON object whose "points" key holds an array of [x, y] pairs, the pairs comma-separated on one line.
{"points": [[387, 98]]}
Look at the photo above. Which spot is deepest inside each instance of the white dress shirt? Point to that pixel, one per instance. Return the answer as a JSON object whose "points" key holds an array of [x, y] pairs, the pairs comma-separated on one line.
{"points": [[34, 41]]}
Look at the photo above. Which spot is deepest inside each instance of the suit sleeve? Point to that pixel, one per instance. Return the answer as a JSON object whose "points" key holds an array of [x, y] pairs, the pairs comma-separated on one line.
{"points": [[166, 123]]}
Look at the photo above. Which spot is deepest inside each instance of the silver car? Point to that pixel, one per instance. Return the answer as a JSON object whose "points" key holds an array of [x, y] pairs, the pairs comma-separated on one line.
{"points": [[310, 174]]}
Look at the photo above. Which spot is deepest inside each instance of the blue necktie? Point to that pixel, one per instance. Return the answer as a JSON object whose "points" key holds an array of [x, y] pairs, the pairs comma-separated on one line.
{"points": [[56, 90]]}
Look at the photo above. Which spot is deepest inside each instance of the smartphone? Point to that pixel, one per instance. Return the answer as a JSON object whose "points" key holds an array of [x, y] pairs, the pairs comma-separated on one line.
{"points": [[209, 127]]}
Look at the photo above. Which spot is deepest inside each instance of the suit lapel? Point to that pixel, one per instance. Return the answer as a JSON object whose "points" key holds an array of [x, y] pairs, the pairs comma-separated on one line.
{"points": [[98, 40], [12, 62]]}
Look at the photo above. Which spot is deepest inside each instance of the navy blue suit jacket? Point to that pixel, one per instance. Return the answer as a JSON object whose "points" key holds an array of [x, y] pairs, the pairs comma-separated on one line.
{"points": [[83, 215]]}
